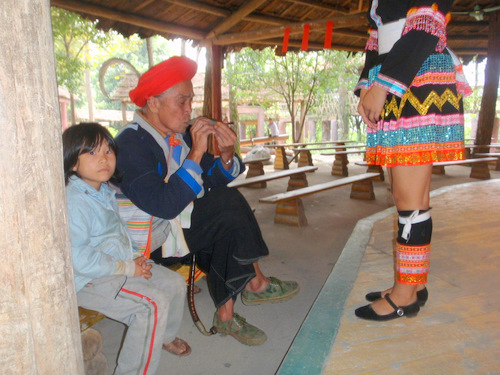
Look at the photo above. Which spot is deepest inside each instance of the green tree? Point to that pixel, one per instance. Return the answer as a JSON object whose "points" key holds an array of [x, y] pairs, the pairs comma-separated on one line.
{"points": [[300, 79], [132, 49], [79, 47], [72, 36]]}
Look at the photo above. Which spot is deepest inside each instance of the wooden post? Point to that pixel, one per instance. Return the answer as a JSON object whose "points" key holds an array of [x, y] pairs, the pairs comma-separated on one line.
{"points": [[217, 82], [39, 326], [491, 79], [149, 47], [207, 96], [216, 90]]}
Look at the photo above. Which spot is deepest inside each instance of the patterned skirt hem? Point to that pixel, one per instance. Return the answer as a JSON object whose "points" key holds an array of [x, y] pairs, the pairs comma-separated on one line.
{"points": [[395, 158]]}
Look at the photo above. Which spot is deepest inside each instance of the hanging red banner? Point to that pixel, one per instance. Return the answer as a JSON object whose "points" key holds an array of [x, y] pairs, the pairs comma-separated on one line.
{"points": [[284, 48], [328, 35], [305, 38]]}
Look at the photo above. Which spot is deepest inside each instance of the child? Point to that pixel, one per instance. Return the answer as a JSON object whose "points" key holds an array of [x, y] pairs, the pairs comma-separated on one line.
{"points": [[110, 276]]}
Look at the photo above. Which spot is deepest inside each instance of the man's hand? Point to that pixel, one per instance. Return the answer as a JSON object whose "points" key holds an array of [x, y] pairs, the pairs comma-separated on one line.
{"points": [[200, 131], [225, 138], [371, 104]]}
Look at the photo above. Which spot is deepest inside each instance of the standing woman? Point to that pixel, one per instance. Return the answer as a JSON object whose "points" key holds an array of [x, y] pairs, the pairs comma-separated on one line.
{"points": [[411, 98]]}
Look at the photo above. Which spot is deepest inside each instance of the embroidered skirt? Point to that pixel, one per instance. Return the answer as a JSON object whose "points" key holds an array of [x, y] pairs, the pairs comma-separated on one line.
{"points": [[426, 124]]}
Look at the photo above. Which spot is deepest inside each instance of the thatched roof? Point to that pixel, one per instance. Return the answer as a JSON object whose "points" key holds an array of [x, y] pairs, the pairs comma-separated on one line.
{"points": [[234, 24], [128, 83]]}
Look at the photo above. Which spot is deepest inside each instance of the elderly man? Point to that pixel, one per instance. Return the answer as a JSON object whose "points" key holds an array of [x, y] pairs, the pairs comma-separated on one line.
{"points": [[168, 173]]}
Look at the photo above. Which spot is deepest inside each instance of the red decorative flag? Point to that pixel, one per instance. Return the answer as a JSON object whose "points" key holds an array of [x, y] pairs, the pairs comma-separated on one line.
{"points": [[284, 48], [305, 37], [328, 35]]}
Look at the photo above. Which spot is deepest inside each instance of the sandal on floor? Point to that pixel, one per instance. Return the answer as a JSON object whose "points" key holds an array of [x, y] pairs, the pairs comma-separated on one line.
{"points": [[175, 347], [367, 312]]}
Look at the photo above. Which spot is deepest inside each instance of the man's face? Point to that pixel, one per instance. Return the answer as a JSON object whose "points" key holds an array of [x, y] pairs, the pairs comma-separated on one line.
{"points": [[173, 108]]}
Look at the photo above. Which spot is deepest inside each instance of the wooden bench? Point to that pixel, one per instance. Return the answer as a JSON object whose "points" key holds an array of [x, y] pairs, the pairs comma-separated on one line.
{"points": [[88, 318], [321, 143], [290, 209], [470, 149], [479, 168], [491, 154], [281, 160], [339, 167], [297, 178], [256, 168], [372, 168], [262, 140]]}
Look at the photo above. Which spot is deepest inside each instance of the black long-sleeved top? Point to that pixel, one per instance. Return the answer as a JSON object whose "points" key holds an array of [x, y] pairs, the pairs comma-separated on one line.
{"points": [[424, 33], [142, 162]]}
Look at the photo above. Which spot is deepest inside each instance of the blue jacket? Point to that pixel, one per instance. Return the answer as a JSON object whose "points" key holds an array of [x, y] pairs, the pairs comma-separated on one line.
{"points": [[98, 236], [143, 166]]}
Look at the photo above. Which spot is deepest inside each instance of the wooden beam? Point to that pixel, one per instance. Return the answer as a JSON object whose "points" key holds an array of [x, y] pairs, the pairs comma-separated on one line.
{"points": [[312, 46], [339, 21], [202, 7], [460, 37], [319, 5], [360, 5], [147, 23], [142, 5], [268, 20], [234, 18], [474, 24], [470, 51], [221, 12], [350, 33]]}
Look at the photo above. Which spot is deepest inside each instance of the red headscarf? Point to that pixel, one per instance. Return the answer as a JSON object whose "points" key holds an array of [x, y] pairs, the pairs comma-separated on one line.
{"points": [[161, 77]]}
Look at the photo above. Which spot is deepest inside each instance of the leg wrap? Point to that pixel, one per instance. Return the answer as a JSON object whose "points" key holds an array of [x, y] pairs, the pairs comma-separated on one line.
{"points": [[413, 247]]}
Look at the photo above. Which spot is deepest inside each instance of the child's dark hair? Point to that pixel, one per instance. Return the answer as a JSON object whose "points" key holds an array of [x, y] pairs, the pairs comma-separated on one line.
{"points": [[80, 139]]}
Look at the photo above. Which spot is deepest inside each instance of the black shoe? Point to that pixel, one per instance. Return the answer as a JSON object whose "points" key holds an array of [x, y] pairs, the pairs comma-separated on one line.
{"points": [[422, 296], [366, 312]]}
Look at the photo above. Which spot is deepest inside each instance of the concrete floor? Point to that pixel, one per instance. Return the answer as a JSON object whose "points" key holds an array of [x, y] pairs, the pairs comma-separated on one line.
{"points": [[458, 330], [305, 254]]}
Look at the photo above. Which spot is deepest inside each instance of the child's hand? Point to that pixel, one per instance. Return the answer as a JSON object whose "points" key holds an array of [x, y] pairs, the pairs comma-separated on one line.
{"points": [[142, 268]]}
